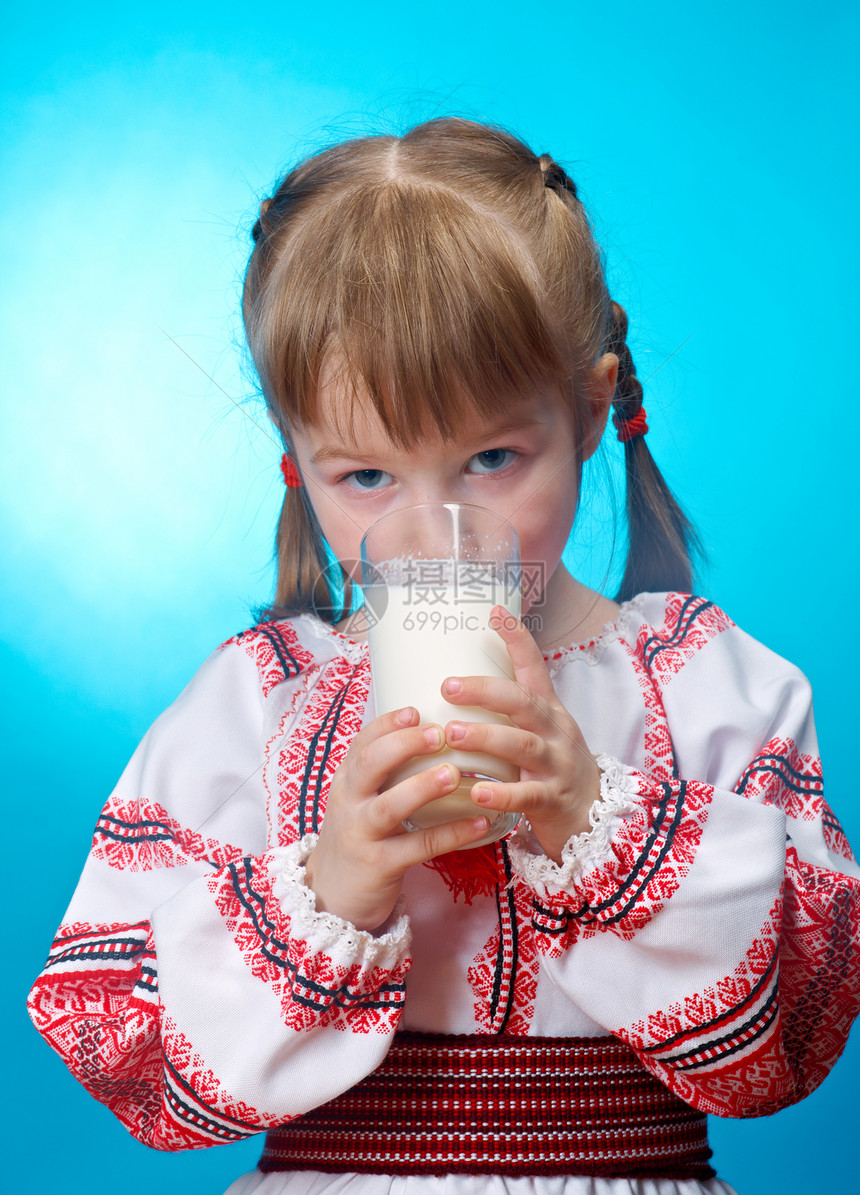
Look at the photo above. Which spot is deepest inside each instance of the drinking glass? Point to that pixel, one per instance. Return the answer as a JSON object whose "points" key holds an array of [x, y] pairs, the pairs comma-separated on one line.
{"points": [[431, 574]]}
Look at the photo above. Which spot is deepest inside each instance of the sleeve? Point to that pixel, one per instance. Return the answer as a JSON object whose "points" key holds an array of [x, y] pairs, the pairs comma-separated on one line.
{"points": [[193, 987], [712, 921]]}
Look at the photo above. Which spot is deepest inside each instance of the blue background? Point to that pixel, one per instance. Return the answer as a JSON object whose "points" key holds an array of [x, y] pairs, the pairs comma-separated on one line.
{"points": [[139, 488]]}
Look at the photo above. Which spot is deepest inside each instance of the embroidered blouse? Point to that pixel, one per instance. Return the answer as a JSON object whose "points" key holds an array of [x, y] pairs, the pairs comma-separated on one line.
{"points": [[706, 920]]}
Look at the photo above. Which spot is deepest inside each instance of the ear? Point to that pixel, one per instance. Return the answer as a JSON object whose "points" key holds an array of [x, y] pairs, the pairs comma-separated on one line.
{"points": [[600, 390]]}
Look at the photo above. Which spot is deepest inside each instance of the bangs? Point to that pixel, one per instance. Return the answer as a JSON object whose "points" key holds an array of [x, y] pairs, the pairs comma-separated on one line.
{"points": [[405, 294]]}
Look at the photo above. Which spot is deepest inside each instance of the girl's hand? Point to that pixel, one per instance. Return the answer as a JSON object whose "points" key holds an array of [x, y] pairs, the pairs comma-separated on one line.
{"points": [[559, 777], [356, 869]]}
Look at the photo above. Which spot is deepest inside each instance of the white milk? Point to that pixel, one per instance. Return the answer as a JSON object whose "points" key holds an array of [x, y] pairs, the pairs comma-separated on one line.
{"points": [[414, 647]]}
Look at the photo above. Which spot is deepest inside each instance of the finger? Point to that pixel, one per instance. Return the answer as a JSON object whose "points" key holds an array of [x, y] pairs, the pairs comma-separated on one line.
{"points": [[500, 695], [450, 836], [522, 747], [376, 760], [393, 806], [385, 723], [524, 796], [529, 665]]}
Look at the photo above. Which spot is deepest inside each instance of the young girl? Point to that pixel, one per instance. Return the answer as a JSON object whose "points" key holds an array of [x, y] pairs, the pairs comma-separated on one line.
{"points": [[256, 944]]}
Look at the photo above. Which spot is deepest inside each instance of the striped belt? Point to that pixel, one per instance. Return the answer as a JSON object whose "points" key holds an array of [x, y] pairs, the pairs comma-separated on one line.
{"points": [[486, 1104]]}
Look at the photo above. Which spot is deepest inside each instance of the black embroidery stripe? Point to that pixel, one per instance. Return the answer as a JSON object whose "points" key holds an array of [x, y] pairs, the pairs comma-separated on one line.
{"points": [[763, 982], [181, 1082], [202, 1121], [741, 1045], [341, 997], [685, 622], [328, 727], [286, 659], [93, 956], [645, 879], [552, 922], [806, 782], [309, 764], [315, 823], [505, 893], [814, 786], [132, 839], [634, 880], [783, 759], [550, 931], [136, 825], [680, 1060]]}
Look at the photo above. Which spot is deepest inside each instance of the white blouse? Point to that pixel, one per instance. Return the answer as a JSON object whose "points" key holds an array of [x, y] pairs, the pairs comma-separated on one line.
{"points": [[714, 902]]}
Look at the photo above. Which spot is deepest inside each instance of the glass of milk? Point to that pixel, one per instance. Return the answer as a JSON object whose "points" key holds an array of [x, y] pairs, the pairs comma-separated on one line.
{"points": [[431, 574]]}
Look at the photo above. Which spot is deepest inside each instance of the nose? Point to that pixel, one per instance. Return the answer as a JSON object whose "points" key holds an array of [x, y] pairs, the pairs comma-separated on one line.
{"points": [[441, 480]]}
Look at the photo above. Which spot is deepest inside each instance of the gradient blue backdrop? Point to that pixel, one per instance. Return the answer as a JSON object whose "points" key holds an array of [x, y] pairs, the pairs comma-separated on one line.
{"points": [[139, 487]]}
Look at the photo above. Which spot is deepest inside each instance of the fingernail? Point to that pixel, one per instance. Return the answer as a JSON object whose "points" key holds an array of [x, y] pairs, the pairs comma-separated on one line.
{"points": [[445, 776], [453, 684], [481, 796], [456, 732], [481, 825], [405, 716], [432, 736]]}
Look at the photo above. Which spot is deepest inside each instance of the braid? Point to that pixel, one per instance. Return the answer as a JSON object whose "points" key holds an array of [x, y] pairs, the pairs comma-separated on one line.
{"points": [[304, 578], [555, 177], [661, 537], [259, 230]]}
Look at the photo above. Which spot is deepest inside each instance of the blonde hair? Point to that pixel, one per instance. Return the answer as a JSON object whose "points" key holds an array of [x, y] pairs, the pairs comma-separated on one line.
{"points": [[450, 264]]}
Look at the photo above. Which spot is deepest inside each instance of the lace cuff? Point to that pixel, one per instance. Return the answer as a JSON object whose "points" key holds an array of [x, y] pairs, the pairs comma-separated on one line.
{"points": [[619, 790], [325, 933]]}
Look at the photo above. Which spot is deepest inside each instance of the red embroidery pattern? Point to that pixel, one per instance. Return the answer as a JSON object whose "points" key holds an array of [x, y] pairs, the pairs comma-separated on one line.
{"points": [[764, 1037], [314, 991], [690, 622], [95, 970], [94, 1005], [281, 825], [834, 835], [719, 1031], [819, 968], [320, 739], [792, 781], [141, 836], [652, 851], [197, 1110], [97, 1005], [784, 777], [659, 752], [275, 649]]}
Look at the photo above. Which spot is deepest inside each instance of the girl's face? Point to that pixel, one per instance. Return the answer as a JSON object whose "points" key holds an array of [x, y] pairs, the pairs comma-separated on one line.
{"points": [[520, 465]]}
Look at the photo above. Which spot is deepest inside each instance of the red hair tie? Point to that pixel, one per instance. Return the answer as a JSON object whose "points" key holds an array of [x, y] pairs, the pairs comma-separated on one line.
{"points": [[290, 473], [629, 429]]}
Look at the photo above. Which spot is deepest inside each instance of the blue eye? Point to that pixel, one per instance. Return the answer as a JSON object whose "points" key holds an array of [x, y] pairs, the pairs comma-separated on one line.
{"points": [[367, 479], [492, 460]]}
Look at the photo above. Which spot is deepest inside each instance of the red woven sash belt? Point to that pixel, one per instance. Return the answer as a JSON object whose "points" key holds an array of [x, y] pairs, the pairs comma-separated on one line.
{"points": [[484, 1104]]}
